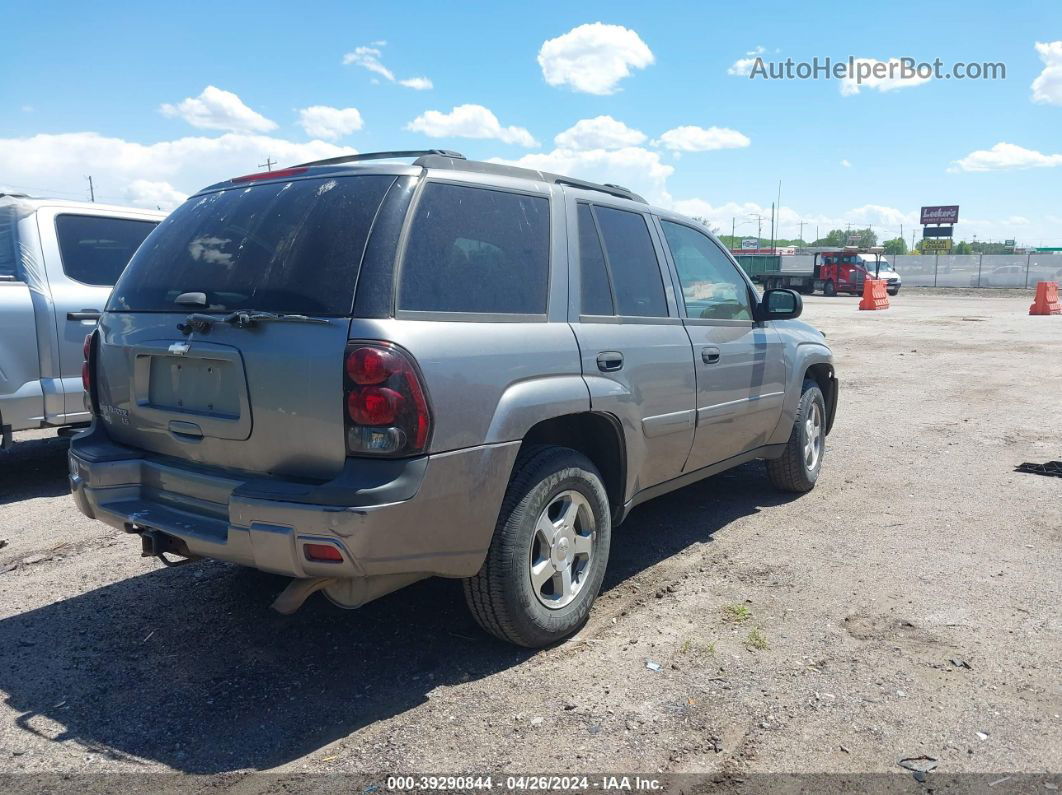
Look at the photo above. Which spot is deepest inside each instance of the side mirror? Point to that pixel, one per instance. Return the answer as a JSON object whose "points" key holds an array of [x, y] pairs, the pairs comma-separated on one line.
{"points": [[779, 305]]}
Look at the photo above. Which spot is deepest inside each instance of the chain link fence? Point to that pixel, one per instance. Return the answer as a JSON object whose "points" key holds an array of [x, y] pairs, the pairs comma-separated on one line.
{"points": [[1021, 271]]}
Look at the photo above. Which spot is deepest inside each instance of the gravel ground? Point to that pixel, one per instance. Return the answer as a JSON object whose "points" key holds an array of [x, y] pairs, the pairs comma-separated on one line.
{"points": [[825, 633]]}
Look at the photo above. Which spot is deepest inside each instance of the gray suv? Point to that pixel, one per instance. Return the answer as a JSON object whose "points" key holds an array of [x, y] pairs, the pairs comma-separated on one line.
{"points": [[360, 374]]}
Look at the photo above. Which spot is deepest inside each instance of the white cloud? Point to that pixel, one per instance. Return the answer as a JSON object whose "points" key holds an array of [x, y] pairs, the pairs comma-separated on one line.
{"points": [[890, 80], [216, 109], [368, 57], [636, 168], [144, 174], [690, 138], [1005, 156], [145, 193], [742, 67], [601, 132], [593, 58], [1047, 87], [321, 121], [469, 121], [846, 164]]}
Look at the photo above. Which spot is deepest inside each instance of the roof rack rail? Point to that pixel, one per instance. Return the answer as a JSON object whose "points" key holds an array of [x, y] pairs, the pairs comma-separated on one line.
{"points": [[331, 161], [433, 160], [608, 187]]}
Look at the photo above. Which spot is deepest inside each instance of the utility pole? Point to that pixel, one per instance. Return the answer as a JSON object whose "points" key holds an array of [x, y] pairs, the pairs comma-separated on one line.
{"points": [[801, 235], [92, 190], [733, 232], [759, 226], [772, 227], [268, 164]]}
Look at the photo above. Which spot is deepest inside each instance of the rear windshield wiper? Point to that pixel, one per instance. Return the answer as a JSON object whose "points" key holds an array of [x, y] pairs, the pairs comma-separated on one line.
{"points": [[242, 318]]}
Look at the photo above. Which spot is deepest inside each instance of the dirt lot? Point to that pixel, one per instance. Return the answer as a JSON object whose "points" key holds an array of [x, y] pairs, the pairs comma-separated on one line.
{"points": [[824, 633]]}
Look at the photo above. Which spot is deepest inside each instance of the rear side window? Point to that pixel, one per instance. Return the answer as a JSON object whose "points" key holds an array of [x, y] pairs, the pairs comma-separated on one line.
{"points": [[476, 250], [8, 244], [95, 250], [596, 292], [276, 247], [632, 259]]}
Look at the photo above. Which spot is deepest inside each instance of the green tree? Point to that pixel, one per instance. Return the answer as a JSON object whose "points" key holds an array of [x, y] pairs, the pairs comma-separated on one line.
{"points": [[895, 246], [839, 237], [962, 247]]}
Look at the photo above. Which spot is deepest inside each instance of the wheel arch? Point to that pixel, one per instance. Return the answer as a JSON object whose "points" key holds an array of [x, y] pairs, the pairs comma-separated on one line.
{"points": [[598, 436], [822, 374]]}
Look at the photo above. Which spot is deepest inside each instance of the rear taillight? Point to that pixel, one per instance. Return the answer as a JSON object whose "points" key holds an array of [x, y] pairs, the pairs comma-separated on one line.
{"points": [[385, 406], [88, 365]]}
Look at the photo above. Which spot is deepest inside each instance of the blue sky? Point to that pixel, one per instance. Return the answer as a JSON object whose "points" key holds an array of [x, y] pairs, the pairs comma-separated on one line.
{"points": [[87, 92]]}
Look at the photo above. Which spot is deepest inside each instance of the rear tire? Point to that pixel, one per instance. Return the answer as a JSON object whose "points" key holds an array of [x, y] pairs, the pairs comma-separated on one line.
{"points": [[548, 555], [797, 469], [829, 288]]}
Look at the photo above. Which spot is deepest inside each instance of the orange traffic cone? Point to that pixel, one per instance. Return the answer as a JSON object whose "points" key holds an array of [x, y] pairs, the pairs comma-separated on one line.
{"points": [[874, 295], [1046, 302]]}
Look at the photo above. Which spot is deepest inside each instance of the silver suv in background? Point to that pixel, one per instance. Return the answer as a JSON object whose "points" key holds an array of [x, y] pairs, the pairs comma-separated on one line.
{"points": [[58, 262], [360, 374]]}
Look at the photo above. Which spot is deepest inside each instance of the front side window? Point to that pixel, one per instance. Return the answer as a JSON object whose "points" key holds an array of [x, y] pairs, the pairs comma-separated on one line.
{"points": [[95, 250], [476, 250], [711, 286], [632, 260]]}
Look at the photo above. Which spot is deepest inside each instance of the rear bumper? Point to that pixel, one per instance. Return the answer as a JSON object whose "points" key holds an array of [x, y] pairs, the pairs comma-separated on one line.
{"points": [[432, 515]]}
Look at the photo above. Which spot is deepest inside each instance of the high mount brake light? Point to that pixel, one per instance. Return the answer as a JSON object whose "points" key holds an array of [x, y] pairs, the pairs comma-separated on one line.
{"points": [[386, 409], [279, 173]]}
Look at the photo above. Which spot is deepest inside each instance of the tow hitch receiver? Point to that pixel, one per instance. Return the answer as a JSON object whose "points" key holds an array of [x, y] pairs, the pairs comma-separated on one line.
{"points": [[155, 544]]}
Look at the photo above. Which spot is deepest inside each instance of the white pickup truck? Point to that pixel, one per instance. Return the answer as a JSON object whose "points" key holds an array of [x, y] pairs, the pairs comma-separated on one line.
{"points": [[58, 263]]}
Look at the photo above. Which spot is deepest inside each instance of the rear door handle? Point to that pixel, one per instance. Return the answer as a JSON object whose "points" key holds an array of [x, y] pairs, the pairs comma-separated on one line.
{"points": [[84, 314], [710, 355], [609, 361]]}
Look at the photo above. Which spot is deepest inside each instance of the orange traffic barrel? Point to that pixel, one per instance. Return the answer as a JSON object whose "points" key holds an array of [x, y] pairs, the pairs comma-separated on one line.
{"points": [[1046, 302]]}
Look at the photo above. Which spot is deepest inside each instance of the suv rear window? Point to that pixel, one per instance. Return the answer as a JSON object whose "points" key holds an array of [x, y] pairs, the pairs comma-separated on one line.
{"points": [[94, 249], [276, 247], [476, 250]]}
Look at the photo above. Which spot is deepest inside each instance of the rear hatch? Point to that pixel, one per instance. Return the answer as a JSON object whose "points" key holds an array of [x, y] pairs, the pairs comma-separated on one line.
{"points": [[223, 341]]}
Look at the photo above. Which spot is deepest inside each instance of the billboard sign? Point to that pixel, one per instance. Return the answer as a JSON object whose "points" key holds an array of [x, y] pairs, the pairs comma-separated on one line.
{"points": [[940, 245], [750, 242], [940, 214], [937, 231], [1008, 243]]}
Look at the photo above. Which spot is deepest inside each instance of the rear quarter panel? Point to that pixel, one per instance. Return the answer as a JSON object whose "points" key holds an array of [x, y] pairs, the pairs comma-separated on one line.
{"points": [[488, 382]]}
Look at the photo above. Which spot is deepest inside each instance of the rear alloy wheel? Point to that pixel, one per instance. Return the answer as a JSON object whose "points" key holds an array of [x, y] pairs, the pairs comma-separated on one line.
{"points": [[829, 288], [548, 555], [797, 469]]}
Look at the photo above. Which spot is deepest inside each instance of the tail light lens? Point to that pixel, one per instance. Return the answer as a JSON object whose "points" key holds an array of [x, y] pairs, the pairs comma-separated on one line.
{"points": [[386, 407], [88, 366]]}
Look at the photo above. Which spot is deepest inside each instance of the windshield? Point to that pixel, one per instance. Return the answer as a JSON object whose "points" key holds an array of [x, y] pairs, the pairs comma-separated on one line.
{"points": [[278, 247]]}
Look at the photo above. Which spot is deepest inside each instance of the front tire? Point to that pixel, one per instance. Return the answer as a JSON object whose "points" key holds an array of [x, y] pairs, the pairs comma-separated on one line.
{"points": [[797, 469], [829, 288], [894, 291], [548, 555]]}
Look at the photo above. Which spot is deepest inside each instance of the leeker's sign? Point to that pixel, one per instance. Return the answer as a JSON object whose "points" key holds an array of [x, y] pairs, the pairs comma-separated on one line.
{"points": [[943, 214]]}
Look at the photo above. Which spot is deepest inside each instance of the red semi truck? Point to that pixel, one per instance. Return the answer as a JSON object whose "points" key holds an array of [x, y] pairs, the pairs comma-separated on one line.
{"points": [[840, 271]]}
